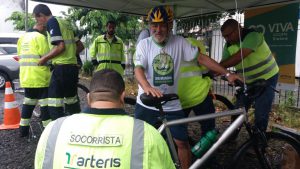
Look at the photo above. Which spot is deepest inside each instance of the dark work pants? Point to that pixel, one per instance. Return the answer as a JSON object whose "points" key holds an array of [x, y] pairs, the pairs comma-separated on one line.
{"points": [[63, 85], [206, 107], [262, 104], [35, 94]]}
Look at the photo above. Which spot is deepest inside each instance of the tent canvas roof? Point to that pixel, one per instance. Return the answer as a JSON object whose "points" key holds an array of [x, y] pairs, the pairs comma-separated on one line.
{"points": [[182, 8]]}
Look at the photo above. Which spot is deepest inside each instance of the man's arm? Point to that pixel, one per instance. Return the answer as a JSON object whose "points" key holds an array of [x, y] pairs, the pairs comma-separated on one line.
{"points": [[236, 58], [141, 78], [93, 53], [214, 66], [55, 51]]}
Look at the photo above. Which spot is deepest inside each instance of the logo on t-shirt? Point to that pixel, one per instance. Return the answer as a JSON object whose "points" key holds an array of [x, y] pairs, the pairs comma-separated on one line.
{"points": [[163, 67]]}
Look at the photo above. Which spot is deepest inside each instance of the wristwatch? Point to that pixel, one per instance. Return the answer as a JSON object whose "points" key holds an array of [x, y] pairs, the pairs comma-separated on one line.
{"points": [[227, 75]]}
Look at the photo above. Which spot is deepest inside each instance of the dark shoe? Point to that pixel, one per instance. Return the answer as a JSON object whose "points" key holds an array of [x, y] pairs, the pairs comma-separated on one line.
{"points": [[24, 131]]}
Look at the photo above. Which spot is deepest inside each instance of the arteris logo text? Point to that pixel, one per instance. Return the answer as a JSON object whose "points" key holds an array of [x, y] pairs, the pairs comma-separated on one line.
{"points": [[75, 162]]}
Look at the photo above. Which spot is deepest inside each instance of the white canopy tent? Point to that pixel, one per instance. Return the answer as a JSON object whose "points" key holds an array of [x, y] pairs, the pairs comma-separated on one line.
{"points": [[182, 8]]}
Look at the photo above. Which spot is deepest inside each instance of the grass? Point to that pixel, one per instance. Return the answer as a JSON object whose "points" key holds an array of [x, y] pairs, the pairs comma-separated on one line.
{"points": [[285, 116]]}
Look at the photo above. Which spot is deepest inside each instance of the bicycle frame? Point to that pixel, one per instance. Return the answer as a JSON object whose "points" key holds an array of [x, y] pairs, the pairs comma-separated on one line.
{"points": [[242, 117]]}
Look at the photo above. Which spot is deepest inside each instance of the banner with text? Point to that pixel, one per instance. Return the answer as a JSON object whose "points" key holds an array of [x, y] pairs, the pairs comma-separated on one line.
{"points": [[279, 23]]}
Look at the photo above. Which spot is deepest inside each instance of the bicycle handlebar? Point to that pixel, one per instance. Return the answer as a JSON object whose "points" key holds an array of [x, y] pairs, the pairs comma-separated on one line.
{"points": [[152, 101]]}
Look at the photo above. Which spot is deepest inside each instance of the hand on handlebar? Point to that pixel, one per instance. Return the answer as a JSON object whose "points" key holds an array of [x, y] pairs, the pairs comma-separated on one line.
{"points": [[153, 91], [232, 78]]}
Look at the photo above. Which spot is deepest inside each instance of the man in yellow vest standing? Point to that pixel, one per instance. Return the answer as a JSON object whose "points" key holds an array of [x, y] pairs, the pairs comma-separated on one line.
{"points": [[63, 84], [193, 89], [248, 52], [103, 135], [33, 78], [107, 51]]}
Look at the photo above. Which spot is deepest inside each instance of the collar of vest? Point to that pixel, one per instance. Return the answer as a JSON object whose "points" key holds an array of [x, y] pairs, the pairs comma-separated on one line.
{"points": [[113, 40], [107, 111], [32, 30]]}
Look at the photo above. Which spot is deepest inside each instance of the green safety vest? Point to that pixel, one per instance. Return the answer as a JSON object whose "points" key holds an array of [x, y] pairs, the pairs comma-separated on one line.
{"points": [[109, 55], [260, 64], [68, 56], [100, 143], [192, 87], [31, 47]]}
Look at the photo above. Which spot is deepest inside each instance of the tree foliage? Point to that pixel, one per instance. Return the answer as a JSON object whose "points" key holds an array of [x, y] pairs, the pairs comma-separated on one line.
{"points": [[18, 20], [92, 22]]}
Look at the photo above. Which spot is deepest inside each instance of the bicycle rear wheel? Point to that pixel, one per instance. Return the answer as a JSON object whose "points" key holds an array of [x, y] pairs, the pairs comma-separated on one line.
{"points": [[223, 104], [281, 150]]}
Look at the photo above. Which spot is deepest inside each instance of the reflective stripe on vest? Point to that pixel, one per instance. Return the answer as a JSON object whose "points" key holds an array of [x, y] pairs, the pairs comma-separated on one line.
{"points": [[190, 74], [189, 64], [28, 64], [51, 143], [111, 55], [55, 38], [70, 41], [248, 69], [267, 70], [24, 122], [29, 101], [137, 146], [55, 102], [30, 57], [43, 102], [71, 100]]}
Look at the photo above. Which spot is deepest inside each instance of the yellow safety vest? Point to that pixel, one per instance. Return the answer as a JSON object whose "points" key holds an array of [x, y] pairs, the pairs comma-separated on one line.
{"points": [[109, 55], [105, 141], [68, 56], [192, 87], [260, 64], [31, 47]]}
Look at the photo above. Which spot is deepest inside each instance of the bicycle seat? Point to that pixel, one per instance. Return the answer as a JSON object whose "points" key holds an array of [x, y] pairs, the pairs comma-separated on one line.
{"points": [[149, 100]]}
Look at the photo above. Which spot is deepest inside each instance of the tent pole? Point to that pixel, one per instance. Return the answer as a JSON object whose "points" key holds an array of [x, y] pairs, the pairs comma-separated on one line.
{"points": [[26, 15], [174, 27]]}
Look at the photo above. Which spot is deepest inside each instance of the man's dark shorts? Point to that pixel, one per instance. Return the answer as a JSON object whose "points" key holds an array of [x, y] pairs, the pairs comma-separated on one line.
{"points": [[151, 116]]}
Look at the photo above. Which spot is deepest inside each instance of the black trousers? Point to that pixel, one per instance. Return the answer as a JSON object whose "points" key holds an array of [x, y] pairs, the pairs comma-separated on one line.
{"points": [[62, 91], [33, 96]]}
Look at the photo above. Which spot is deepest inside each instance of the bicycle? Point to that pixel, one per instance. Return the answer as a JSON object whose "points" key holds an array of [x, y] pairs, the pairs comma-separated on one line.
{"points": [[258, 140], [275, 143]]}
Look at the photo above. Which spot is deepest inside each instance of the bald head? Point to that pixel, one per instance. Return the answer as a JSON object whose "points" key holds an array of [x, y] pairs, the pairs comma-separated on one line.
{"points": [[106, 85]]}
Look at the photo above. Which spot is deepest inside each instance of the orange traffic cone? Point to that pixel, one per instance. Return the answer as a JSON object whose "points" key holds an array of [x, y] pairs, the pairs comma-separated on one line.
{"points": [[11, 117]]}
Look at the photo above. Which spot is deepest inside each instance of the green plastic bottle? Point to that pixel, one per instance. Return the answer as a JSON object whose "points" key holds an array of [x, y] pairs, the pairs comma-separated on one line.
{"points": [[205, 143]]}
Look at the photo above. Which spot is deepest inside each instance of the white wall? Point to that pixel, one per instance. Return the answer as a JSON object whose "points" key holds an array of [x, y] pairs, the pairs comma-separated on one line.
{"points": [[7, 7]]}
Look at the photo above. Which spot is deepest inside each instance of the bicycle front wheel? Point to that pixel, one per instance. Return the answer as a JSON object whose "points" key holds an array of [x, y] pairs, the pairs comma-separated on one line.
{"points": [[282, 151]]}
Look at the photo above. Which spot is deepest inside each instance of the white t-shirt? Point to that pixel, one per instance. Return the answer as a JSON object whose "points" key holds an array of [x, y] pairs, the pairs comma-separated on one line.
{"points": [[161, 65]]}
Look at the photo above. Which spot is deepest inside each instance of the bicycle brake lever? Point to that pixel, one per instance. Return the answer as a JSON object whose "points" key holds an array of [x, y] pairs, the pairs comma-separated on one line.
{"points": [[273, 88]]}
